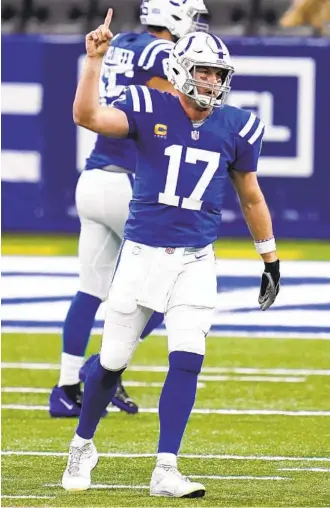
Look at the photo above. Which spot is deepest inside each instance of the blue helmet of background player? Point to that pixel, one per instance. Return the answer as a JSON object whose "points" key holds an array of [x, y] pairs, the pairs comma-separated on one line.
{"points": [[178, 16], [195, 50]]}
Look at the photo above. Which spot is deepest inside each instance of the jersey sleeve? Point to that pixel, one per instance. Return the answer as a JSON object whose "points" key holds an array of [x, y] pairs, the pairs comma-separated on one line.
{"points": [[136, 103], [248, 144], [154, 59]]}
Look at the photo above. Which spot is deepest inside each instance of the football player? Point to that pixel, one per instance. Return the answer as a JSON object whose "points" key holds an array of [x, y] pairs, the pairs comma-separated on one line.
{"points": [[105, 188], [187, 148]]}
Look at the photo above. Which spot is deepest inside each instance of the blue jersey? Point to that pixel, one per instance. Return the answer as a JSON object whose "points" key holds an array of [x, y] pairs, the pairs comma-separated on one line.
{"points": [[133, 58], [182, 168]]}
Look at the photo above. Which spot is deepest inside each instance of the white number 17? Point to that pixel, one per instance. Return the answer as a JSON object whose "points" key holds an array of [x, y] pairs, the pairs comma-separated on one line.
{"points": [[193, 202]]}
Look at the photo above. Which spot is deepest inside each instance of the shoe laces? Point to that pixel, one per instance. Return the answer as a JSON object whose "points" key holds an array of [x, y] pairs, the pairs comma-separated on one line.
{"points": [[176, 472], [75, 456]]}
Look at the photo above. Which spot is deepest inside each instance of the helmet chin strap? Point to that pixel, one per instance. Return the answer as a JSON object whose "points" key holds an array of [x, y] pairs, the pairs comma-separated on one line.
{"points": [[204, 101]]}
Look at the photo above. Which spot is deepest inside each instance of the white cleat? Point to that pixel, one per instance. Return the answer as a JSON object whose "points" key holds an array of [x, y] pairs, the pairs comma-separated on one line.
{"points": [[81, 461], [166, 481]]}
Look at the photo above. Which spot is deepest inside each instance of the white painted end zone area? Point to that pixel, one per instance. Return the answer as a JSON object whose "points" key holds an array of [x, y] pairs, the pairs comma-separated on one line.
{"points": [[302, 309]]}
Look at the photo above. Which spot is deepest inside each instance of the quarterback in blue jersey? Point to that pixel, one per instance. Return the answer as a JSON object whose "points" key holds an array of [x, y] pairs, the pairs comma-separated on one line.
{"points": [[104, 188], [187, 148]]}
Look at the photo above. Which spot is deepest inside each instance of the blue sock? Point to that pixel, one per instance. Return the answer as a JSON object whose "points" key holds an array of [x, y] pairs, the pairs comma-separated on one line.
{"points": [[99, 388], [177, 399], [155, 320], [79, 323]]}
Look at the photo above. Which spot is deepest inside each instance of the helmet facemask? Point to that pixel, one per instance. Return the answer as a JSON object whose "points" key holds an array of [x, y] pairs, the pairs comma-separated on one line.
{"points": [[199, 21], [217, 91]]}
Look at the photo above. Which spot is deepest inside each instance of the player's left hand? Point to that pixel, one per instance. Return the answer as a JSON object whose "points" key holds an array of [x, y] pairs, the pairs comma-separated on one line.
{"points": [[270, 284], [98, 41]]}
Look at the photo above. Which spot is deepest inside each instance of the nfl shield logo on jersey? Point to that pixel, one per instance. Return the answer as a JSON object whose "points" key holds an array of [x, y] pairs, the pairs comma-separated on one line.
{"points": [[195, 135]]}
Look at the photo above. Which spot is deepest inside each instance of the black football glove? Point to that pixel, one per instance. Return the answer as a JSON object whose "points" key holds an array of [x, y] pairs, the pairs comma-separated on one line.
{"points": [[270, 284]]}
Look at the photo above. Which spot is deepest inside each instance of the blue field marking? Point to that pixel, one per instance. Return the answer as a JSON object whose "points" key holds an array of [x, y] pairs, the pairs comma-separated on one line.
{"points": [[36, 294]]}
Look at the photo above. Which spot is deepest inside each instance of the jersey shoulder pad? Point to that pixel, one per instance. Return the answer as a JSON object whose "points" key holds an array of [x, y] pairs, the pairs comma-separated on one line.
{"points": [[142, 98], [153, 49], [244, 123]]}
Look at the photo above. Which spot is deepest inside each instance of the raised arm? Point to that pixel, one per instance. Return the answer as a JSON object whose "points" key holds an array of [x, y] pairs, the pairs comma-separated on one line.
{"points": [[86, 109]]}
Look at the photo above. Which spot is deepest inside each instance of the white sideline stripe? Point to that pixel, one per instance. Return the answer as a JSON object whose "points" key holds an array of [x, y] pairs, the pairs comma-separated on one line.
{"points": [[311, 469], [207, 477], [164, 368], [272, 458], [202, 411], [215, 333], [248, 126], [28, 497], [263, 379], [31, 389], [103, 486]]}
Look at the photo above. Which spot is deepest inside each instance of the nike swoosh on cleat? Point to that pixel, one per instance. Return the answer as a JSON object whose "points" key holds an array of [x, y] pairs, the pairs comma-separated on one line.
{"points": [[68, 406], [200, 257]]}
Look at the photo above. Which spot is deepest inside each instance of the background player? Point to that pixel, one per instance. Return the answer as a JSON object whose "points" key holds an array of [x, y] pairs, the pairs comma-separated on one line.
{"points": [[166, 261], [104, 188]]}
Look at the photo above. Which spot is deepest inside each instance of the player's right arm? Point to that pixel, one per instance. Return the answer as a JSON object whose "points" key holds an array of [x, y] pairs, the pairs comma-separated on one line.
{"points": [[86, 109]]}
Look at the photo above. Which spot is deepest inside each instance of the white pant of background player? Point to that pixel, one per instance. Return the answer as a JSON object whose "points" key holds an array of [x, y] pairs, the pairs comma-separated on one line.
{"points": [[102, 199]]}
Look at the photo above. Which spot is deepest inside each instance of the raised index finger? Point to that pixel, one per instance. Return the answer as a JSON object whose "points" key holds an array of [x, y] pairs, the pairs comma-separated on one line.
{"points": [[108, 18]]}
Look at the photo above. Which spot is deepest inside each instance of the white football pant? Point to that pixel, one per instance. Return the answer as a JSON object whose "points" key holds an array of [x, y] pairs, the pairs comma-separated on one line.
{"points": [[179, 282], [102, 199]]}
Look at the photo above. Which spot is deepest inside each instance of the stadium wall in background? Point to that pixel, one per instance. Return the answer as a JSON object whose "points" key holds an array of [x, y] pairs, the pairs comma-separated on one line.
{"points": [[284, 80]]}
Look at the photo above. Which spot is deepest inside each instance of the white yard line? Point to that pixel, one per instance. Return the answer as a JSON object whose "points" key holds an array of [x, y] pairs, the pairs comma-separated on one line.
{"points": [[110, 486], [210, 477], [238, 370], [145, 384], [103, 486], [272, 458], [311, 469], [28, 497], [31, 389], [202, 411], [24, 389], [164, 368], [253, 379]]}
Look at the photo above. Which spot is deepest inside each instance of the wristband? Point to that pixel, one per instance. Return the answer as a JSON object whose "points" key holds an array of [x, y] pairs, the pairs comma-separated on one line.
{"points": [[265, 246]]}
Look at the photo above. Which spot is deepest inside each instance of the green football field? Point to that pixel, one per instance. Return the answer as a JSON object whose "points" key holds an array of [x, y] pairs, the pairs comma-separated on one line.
{"points": [[66, 245], [259, 436]]}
